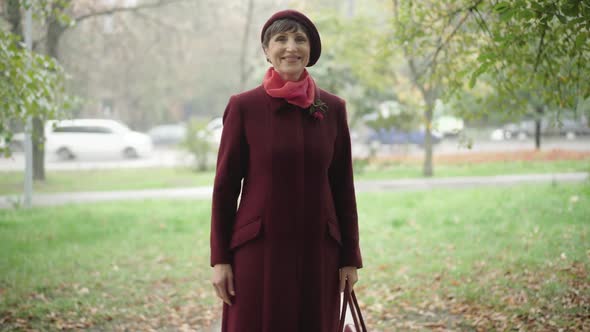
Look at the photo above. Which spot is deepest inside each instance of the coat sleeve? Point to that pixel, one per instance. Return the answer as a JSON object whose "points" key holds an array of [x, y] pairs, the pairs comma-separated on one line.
{"points": [[231, 164], [342, 186]]}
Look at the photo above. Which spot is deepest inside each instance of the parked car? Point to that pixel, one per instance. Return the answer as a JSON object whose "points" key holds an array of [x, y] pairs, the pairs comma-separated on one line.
{"points": [[448, 125], [168, 134], [565, 127], [92, 138], [394, 136], [3, 145], [214, 128], [568, 127]]}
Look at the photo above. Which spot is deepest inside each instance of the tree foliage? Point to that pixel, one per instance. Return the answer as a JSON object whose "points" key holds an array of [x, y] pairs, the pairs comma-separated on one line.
{"points": [[509, 56], [31, 85], [535, 50], [429, 35], [350, 65]]}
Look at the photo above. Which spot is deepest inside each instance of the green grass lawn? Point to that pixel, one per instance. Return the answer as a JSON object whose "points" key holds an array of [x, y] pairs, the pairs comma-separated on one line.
{"points": [[150, 178], [108, 179], [470, 259]]}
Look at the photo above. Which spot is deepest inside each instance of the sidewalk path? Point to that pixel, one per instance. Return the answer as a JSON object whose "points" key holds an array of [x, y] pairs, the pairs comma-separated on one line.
{"points": [[43, 199]]}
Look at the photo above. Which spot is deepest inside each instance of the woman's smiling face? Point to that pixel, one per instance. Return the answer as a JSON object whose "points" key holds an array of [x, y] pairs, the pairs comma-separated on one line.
{"points": [[289, 53]]}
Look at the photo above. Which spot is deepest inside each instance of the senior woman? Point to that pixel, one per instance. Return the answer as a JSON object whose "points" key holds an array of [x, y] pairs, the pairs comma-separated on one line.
{"points": [[281, 259]]}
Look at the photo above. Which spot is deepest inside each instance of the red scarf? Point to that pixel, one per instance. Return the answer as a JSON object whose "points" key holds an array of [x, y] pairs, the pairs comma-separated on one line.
{"points": [[300, 93]]}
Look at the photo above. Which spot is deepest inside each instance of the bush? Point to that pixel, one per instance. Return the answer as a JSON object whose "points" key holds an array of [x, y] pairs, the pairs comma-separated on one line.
{"points": [[198, 143]]}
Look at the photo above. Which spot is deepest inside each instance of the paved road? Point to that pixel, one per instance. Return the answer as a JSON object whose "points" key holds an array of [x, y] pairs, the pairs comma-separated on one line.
{"points": [[456, 146], [168, 157], [361, 186], [159, 158]]}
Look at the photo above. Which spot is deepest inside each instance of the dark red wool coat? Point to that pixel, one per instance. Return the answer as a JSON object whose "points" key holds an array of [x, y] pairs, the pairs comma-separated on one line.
{"points": [[297, 220]]}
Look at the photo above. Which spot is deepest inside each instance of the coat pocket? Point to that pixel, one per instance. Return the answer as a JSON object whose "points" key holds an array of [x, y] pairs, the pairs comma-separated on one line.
{"points": [[334, 231], [246, 233]]}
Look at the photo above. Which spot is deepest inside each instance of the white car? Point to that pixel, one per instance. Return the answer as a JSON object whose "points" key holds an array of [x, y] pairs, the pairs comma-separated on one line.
{"points": [[448, 125], [168, 134], [215, 128], [94, 138]]}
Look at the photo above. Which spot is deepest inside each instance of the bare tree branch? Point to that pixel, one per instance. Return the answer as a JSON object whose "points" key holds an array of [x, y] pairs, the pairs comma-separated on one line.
{"points": [[243, 70], [411, 63], [441, 45], [479, 19], [540, 49], [434, 56], [109, 11], [483, 24], [160, 22], [453, 13]]}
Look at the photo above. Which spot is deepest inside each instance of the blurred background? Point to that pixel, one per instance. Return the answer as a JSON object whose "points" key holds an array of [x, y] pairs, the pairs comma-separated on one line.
{"points": [[470, 140], [163, 71]]}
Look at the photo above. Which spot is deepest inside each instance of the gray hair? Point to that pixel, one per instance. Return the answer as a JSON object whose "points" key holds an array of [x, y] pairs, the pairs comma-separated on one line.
{"points": [[282, 25]]}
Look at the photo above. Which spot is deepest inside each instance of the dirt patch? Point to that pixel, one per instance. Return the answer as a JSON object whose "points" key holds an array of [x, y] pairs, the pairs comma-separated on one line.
{"points": [[489, 157]]}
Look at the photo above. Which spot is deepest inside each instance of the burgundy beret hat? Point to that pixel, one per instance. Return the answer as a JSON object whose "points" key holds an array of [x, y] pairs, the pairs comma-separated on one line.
{"points": [[315, 43]]}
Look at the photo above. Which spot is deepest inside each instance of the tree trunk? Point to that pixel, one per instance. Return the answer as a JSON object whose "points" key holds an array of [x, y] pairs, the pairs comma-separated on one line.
{"points": [[54, 32], [245, 72], [429, 95], [38, 149], [427, 169], [539, 115], [351, 7], [14, 17]]}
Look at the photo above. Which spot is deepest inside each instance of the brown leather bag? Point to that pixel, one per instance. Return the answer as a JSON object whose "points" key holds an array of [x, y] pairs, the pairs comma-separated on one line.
{"points": [[355, 310]]}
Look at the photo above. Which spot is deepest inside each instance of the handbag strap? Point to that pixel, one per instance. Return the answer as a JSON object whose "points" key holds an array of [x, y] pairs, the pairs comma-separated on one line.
{"points": [[343, 311], [360, 327], [355, 310], [354, 315]]}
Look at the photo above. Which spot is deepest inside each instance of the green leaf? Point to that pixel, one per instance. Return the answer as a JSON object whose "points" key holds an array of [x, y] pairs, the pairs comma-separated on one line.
{"points": [[578, 20], [580, 40], [28, 85], [571, 8], [482, 69], [507, 15], [537, 7], [486, 56], [501, 7], [527, 14]]}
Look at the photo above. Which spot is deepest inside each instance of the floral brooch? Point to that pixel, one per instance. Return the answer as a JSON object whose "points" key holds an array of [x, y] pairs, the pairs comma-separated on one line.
{"points": [[318, 108]]}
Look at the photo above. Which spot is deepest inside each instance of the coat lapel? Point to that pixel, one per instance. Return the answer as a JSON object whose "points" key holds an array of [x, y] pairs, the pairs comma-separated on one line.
{"points": [[273, 104]]}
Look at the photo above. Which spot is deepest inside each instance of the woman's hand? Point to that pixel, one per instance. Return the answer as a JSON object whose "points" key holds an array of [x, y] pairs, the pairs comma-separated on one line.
{"points": [[223, 282], [348, 273]]}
